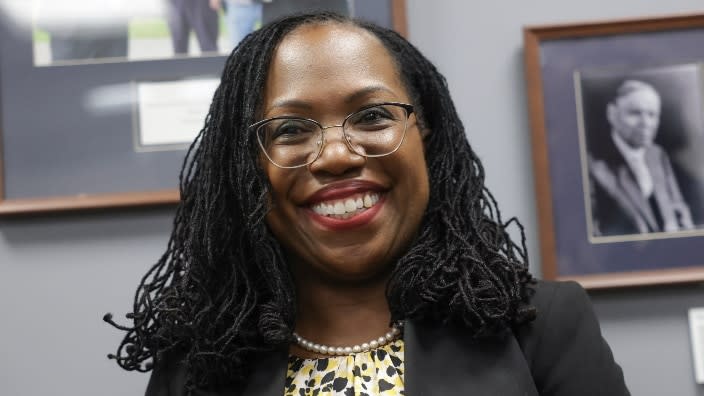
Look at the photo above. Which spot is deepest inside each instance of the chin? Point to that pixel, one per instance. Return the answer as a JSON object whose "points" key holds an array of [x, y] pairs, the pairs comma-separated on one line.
{"points": [[355, 270]]}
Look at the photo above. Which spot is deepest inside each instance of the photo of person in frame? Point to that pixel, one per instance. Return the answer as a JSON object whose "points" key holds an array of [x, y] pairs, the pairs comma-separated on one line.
{"points": [[81, 30], [643, 132], [241, 17], [198, 16], [86, 31]]}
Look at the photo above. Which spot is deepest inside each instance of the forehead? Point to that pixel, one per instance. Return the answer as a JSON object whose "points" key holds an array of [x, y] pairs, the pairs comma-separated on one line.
{"points": [[325, 62], [640, 97]]}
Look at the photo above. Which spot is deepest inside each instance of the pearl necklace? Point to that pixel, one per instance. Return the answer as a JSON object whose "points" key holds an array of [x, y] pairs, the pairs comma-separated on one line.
{"points": [[348, 350]]}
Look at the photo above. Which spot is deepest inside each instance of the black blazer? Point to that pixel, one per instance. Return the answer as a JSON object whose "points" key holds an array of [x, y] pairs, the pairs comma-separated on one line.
{"points": [[561, 353]]}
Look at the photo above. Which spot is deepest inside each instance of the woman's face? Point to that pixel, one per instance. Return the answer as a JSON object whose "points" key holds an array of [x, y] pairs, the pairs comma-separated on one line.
{"points": [[325, 72]]}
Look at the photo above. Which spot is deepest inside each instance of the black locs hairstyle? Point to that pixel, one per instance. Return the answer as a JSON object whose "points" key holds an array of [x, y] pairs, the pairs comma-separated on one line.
{"points": [[222, 291]]}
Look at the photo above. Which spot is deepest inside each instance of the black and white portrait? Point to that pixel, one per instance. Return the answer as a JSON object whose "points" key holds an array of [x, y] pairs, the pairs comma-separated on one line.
{"points": [[644, 157]]}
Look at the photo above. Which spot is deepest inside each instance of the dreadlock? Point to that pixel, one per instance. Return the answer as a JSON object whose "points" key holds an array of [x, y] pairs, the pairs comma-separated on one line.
{"points": [[223, 292]]}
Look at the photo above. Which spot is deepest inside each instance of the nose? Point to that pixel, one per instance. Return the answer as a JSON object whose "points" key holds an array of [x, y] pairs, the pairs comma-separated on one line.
{"points": [[336, 157]]}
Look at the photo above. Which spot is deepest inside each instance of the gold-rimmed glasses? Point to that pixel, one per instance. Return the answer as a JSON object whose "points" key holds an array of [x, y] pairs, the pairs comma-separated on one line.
{"points": [[373, 131]]}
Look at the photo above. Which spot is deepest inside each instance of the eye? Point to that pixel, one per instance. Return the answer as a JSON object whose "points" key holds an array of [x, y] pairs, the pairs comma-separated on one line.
{"points": [[289, 131], [374, 118]]}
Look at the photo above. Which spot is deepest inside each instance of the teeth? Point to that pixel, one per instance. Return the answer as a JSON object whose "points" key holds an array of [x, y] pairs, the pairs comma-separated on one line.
{"points": [[359, 203], [347, 207], [350, 206]]}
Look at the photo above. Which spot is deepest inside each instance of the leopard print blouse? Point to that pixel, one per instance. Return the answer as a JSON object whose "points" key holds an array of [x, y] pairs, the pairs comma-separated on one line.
{"points": [[375, 372]]}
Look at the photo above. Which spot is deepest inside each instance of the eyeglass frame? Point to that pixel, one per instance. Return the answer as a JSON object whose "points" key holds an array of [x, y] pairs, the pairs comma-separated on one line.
{"points": [[407, 107]]}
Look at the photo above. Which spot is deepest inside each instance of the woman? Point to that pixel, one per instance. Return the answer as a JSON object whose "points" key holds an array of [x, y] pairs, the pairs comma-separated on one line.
{"points": [[332, 197]]}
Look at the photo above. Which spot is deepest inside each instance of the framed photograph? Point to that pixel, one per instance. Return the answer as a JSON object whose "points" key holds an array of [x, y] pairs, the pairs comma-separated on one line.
{"points": [[99, 100], [617, 119]]}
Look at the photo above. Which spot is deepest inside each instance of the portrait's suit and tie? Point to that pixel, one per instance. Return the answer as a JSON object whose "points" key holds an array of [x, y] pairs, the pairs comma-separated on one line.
{"points": [[633, 186]]}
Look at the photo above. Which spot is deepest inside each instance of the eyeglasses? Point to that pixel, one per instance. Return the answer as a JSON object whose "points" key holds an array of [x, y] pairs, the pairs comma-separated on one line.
{"points": [[293, 142]]}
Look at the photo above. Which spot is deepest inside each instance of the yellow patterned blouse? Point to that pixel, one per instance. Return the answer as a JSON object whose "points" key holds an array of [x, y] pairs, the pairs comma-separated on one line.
{"points": [[375, 372]]}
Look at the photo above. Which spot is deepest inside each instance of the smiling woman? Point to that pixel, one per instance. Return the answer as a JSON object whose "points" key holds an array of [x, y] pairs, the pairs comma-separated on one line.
{"points": [[335, 237]]}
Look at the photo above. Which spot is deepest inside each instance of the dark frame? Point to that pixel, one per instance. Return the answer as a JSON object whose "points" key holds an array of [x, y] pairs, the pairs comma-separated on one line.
{"points": [[553, 56], [172, 68]]}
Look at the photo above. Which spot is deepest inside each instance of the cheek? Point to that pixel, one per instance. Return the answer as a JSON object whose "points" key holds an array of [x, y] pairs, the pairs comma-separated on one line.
{"points": [[632, 126], [279, 184], [629, 120], [278, 218]]}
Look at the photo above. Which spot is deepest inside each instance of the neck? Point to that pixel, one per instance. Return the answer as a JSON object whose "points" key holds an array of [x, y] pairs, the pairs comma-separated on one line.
{"points": [[339, 313]]}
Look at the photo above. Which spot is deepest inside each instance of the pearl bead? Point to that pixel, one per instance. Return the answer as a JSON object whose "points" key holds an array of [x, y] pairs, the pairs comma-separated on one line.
{"points": [[381, 340], [365, 347], [323, 349], [373, 344], [348, 350], [340, 350], [356, 349]]}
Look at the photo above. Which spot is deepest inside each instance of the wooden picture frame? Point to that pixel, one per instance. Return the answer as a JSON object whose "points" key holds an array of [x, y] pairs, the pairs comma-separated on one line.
{"points": [[577, 75], [42, 118]]}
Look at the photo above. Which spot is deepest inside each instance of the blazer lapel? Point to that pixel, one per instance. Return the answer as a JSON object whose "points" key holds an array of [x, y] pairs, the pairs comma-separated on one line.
{"points": [[441, 360]]}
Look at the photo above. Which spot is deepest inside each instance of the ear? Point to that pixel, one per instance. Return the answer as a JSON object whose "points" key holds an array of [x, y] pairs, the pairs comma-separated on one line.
{"points": [[611, 112]]}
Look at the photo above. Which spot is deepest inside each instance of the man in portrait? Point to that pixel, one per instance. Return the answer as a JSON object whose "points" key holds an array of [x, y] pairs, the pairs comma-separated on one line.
{"points": [[633, 186]]}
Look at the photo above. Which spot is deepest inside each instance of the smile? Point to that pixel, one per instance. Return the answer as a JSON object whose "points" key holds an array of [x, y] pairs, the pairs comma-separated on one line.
{"points": [[348, 207]]}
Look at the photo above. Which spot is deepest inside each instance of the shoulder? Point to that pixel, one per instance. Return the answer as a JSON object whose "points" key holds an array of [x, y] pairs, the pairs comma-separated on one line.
{"points": [[551, 296], [561, 307], [564, 346]]}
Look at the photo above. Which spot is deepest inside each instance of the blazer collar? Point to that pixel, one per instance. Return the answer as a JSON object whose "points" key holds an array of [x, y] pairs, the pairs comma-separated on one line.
{"points": [[438, 360]]}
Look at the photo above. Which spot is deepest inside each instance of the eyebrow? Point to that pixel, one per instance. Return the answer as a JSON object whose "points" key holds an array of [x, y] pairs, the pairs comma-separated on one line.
{"points": [[300, 104]]}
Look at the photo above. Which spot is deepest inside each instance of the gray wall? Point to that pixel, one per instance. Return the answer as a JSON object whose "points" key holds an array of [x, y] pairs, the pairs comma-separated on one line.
{"points": [[58, 275]]}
